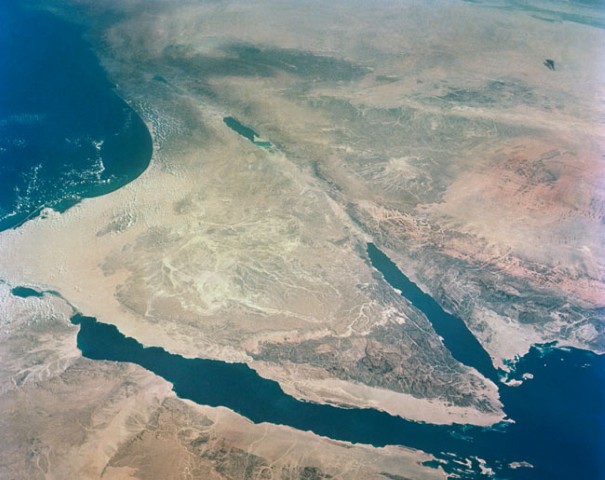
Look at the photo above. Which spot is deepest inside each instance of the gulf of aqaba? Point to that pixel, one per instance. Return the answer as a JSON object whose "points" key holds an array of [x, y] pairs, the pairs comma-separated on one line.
{"points": [[302, 241]]}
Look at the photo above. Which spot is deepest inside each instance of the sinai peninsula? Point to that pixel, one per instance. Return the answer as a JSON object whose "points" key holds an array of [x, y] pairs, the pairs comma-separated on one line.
{"points": [[302, 239]]}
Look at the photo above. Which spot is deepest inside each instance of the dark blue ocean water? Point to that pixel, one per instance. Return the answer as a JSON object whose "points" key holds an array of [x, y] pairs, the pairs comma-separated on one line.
{"points": [[559, 419], [559, 415], [463, 346], [64, 133]]}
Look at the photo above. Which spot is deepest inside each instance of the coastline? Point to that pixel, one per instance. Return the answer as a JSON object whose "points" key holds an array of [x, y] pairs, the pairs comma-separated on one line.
{"points": [[123, 419], [227, 249], [90, 284]]}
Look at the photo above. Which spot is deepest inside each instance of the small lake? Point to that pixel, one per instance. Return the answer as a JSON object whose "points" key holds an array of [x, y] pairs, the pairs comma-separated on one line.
{"points": [[246, 132], [65, 135], [24, 292]]}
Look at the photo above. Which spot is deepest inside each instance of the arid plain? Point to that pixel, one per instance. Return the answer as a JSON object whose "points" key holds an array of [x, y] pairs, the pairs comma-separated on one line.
{"points": [[433, 130]]}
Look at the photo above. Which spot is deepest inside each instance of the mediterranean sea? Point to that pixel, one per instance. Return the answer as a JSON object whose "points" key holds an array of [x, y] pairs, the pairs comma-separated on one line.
{"points": [[64, 132]]}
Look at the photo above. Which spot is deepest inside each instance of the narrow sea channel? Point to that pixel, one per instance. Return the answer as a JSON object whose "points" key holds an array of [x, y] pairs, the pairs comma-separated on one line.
{"points": [[65, 134], [458, 339], [558, 416]]}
